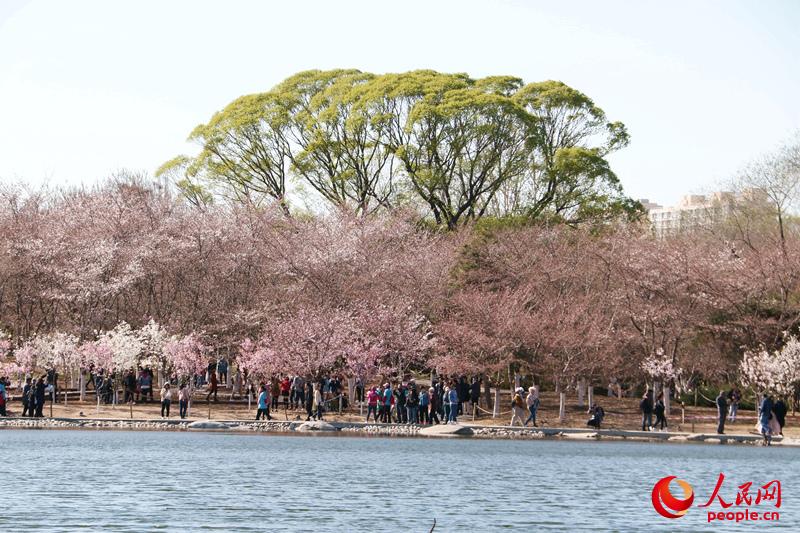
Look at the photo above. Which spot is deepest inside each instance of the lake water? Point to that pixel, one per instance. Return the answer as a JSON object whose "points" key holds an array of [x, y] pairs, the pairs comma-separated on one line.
{"points": [[165, 481]]}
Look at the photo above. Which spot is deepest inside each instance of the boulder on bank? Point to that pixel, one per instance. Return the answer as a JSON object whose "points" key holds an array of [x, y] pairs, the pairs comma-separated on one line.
{"points": [[446, 430], [316, 425], [207, 424]]}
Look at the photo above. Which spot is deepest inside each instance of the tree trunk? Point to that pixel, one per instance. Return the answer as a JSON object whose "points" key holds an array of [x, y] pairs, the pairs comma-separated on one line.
{"points": [[656, 389], [487, 392], [516, 381], [351, 391], [562, 406], [581, 392], [667, 394], [82, 385], [590, 391], [496, 408]]}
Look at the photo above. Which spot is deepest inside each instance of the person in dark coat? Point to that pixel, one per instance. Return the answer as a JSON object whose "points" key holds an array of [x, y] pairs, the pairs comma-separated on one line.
{"points": [[779, 410], [722, 411], [39, 397], [27, 407], [646, 406], [475, 391]]}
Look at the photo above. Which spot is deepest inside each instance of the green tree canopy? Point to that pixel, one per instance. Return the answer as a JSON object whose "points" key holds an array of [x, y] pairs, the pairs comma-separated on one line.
{"points": [[459, 147]]}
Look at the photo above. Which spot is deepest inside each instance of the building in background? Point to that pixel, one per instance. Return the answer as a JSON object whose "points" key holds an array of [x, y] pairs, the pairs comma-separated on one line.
{"points": [[692, 212]]}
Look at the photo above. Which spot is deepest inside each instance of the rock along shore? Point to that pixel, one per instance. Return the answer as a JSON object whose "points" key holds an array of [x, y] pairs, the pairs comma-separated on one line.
{"points": [[383, 430]]}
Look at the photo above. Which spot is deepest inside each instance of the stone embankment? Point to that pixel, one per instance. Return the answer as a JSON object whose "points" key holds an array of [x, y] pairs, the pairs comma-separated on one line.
{"points": [[384, 430]]}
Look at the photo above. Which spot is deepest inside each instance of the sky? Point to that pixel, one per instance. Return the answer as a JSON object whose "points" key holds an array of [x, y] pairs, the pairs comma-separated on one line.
{"points": [[88, 88]]}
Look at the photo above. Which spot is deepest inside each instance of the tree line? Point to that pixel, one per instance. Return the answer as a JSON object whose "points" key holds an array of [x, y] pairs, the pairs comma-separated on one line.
{"points": [[458, 148]]}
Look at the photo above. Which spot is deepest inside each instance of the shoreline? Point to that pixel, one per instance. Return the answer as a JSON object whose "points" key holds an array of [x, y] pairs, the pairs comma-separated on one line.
{"points": [[473, 431]]}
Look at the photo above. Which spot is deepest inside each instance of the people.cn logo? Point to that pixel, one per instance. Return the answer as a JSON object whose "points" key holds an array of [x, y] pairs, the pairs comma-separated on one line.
{"points": [[668, 505]]}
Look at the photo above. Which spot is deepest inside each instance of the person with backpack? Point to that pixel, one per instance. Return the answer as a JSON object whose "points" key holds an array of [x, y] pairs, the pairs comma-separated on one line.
{"points": [[646, 407], [517, 407]]}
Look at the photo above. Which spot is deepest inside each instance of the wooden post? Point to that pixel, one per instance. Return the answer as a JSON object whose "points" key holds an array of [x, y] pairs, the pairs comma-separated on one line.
{"points": [[52, 401], [98, 404], [131, 406], [65, 398]]}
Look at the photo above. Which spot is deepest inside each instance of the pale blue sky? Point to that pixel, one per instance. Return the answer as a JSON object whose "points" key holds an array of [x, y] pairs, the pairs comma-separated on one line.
{"points": [[89, 87]]}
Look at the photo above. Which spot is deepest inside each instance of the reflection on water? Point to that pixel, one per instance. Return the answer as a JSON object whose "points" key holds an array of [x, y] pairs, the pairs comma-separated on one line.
{"points": [[150, 481]]}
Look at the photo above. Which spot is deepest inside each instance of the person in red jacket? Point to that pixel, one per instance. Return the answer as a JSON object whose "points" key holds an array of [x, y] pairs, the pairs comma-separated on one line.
{"points": [[286, 386]]}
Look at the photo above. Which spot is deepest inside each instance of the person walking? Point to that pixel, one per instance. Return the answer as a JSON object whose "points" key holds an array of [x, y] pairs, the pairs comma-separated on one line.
{"points": [[433, 413], [183, 400], [27, 408], [386, 415], [660, 410], [764, 414], [39, 397], [646, 406], [318, 407], [532, 401], [780, 410], [263, 404], [412, 404], [3, 396], [213, 386], [454, 402], [166, 400], [309, 397], [734, 397], [722, 411], [424, 402], [517, 407], [372, 403], [222, 370]]}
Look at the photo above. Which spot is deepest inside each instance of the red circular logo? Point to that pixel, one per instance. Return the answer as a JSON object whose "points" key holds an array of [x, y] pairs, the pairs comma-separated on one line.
{"points": [[668, 505]]}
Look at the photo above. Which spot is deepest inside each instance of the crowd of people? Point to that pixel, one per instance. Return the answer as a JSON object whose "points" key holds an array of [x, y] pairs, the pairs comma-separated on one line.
{"points": [[405, 402]]}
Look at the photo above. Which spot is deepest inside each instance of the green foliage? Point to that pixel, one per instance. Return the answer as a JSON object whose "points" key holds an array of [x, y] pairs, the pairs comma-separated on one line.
{"points": [[463, 148]]}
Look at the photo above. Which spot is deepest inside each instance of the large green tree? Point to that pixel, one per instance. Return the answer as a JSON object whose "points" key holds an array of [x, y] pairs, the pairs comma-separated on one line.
{"points": [[458, 147]]}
